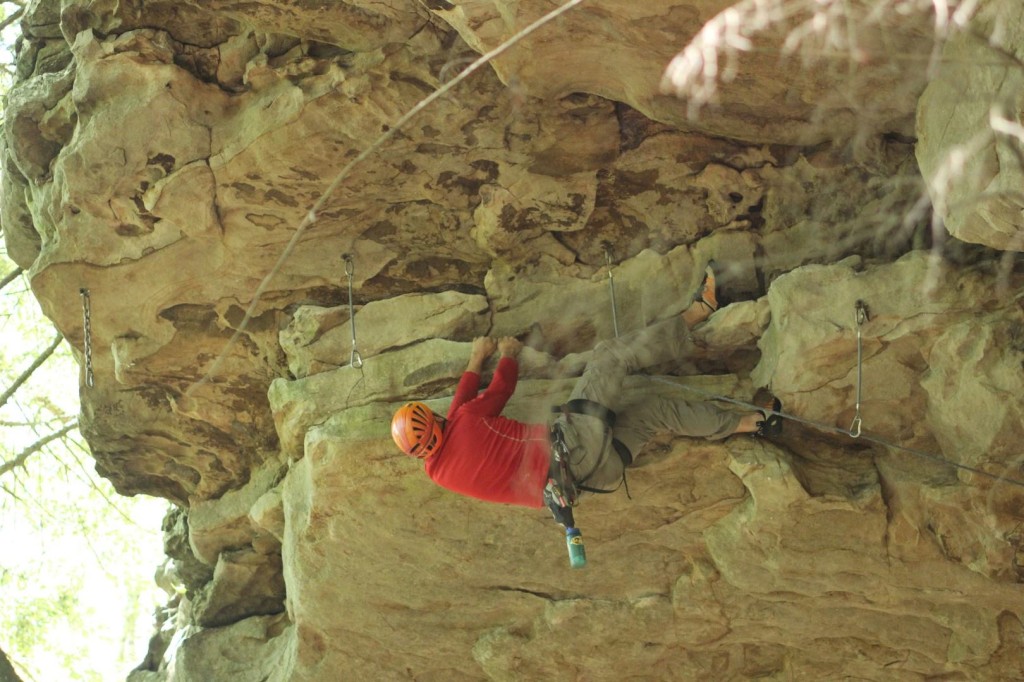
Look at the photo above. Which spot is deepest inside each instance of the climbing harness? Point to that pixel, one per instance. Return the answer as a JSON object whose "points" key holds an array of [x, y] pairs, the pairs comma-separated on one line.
{"points": [[563, 489], [561, 449], [87, 324], [355, 359], [861, 316], [561, 493], [611, 292]]}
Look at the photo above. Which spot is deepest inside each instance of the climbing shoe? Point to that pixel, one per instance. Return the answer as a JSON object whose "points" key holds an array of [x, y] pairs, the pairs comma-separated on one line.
{"points": [[706, 292], [771, 425]]}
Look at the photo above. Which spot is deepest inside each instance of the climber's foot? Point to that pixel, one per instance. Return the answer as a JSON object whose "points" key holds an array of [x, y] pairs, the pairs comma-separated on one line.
{"points": [[770, 424], [706, 295], [705, 300]]}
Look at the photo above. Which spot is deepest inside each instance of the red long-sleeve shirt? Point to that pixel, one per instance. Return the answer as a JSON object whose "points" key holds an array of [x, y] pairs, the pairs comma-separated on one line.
{"points": [[485, 455]]}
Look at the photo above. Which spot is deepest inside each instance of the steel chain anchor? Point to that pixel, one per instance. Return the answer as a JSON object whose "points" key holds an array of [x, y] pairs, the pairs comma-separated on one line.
{"points": [[861, 317], [355, 359], [87, 324]]}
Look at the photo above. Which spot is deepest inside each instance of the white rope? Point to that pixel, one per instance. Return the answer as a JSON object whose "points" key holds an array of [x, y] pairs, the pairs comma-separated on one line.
{"points": [[311, 215], [829, 428]]}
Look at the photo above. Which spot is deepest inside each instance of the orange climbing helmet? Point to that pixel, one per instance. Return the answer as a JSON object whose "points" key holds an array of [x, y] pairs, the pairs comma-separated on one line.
{"points": [[417, 430]]}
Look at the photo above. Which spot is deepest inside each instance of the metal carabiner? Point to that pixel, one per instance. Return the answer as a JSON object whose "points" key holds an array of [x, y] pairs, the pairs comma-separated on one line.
{"points": [[862, 312], [855, 427]]}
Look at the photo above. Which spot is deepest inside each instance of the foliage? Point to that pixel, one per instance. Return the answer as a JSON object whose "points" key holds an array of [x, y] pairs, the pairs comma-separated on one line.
{"points": [[824, 29], [76, 568]]}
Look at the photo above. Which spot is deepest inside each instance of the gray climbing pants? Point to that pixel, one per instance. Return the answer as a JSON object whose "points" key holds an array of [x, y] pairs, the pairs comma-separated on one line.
{"points": [[592, 459]]}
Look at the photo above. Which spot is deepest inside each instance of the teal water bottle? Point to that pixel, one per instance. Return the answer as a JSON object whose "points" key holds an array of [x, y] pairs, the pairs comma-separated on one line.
{"points": [[577, 553]]}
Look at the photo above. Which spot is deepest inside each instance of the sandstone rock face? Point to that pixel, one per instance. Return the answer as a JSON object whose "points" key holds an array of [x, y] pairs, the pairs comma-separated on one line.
{"points": [[969, 130], [163, 156]]}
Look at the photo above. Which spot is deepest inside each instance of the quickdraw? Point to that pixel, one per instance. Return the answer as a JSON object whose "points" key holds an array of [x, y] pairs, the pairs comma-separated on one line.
{"points": [[355, 359], [861, 317], [611, 292]]}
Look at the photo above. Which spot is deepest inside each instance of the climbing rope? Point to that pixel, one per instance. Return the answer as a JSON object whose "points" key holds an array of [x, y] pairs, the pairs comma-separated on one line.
{"points": [[829, 428], [855, 430], [398, 125], [87, 325], [355, 359]]}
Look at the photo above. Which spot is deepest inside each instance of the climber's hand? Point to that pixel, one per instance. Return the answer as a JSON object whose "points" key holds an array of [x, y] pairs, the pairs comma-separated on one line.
{"points": [[509, 347], [484, 347]]}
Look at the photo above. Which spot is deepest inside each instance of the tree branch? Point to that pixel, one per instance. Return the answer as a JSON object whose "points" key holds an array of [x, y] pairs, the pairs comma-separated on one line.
{"points": [[19, 460], [92, 482], [7, 673], [11, 19], [10, 277], [32, 368]]}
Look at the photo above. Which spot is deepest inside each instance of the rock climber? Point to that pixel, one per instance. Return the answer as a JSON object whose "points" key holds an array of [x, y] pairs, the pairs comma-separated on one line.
{"points": [[475, 451]]}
